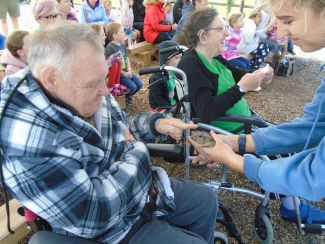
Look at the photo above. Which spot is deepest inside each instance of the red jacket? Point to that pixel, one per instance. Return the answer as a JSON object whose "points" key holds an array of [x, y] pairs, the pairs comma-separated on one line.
{"points": [[155, 14]]}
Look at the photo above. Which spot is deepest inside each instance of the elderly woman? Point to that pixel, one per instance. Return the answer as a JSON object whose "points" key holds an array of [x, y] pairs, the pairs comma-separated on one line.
{"points": [[303, 173], [215, 86], [45, 12]]}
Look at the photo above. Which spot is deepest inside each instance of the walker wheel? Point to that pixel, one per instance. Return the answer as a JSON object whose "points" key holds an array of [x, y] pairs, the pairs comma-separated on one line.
{"points": [[220, 238], [263, 229]]}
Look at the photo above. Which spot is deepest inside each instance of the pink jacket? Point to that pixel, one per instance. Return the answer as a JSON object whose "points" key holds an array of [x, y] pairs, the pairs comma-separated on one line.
{"points": [[231, 42], [12, 63]]}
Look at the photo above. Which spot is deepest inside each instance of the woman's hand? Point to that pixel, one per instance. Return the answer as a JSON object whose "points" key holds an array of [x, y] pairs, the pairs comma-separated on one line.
{"points": [[251, 81], [174, 26], [221, 153], [268, 71]]}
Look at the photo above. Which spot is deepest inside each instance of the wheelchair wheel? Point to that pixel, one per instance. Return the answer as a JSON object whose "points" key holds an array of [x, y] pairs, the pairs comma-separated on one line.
{"points": [[263, 230], [220, 238]]}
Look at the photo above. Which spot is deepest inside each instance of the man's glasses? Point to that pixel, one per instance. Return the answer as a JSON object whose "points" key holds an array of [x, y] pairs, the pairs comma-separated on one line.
{"points": [[51, 17]]}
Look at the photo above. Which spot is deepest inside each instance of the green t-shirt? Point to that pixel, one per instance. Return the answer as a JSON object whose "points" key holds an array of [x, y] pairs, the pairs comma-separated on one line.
{"points": [[225, 82], [171, 88]]}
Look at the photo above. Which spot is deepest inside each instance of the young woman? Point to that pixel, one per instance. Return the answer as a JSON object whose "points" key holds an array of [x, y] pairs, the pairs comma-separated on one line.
{"points": [[303, 173]]}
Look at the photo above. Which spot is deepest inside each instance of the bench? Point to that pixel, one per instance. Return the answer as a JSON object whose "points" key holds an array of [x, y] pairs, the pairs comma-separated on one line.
{"points": [[142, 53], [17, 223]]}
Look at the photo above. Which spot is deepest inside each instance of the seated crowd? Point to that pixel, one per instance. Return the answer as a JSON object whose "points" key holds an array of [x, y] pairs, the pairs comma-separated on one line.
{"points": [[79, 162]]}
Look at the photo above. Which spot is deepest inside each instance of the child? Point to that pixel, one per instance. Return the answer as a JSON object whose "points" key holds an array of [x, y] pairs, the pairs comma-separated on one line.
{"points": [[275, 43], [127, 19], [168, 6], [236, 22], [111, 14], [162, 86], [14, 58], [250, 43], [116, 33], [114, 69]]}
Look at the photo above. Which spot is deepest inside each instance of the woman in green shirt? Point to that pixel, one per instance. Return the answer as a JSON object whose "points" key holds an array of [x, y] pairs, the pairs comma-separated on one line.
{"points": [[216, 87]]}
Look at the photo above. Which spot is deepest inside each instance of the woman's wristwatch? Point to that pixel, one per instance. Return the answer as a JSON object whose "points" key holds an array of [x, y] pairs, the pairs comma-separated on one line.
{"points": [[242, 144]]}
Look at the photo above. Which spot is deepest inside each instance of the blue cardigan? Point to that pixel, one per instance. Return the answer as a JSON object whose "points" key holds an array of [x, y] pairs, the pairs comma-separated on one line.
{"points": [[302, 174]]}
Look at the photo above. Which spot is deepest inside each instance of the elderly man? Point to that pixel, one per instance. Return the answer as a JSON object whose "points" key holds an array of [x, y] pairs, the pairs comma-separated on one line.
{"points": [[71, 157]]}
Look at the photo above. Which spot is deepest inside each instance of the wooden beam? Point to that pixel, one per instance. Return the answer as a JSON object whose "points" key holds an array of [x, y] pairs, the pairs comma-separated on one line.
{"points": [[17, 224]]}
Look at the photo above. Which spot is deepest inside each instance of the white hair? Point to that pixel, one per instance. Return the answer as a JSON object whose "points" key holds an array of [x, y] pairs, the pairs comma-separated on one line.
{"points": [[57, 46]]}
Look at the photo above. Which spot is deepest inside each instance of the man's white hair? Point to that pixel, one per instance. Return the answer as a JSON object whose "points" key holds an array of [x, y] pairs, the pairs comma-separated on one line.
{"points": [[57, 46]]}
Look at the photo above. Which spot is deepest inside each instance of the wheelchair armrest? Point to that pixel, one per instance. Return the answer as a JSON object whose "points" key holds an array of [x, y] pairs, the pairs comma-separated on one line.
{"points": [[249, 120], [48, 237], [164, 150]]}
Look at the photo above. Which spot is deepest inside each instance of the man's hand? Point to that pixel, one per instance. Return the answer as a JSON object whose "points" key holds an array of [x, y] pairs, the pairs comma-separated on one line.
{"points": [[128, 136], [173, 127]]}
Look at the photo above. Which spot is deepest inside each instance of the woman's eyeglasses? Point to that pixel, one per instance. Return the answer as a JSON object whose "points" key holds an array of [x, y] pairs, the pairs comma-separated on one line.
{"points": [[221, 29], [51, 17]]}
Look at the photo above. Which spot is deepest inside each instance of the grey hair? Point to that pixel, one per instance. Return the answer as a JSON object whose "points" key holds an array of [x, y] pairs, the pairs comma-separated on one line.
{"points": [[57, 46]]}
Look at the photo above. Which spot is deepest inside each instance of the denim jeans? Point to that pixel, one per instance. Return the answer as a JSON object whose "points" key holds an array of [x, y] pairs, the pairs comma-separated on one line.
{"points": [[192, 222], [240, 62], [134, 83]]}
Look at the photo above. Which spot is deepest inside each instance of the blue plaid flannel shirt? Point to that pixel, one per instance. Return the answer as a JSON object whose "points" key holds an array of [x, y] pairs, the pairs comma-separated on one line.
{"points": [[84, 181]]}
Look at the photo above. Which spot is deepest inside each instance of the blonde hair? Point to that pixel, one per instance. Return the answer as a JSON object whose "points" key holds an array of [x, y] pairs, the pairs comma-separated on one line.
{"points": [[106, 2], [111, 29], [150, 2], [233, 18], [317, 5], [255, 12], [96, 28]]}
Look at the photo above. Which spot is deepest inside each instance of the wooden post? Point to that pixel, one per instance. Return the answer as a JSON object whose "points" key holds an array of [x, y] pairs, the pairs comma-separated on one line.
{"points": [[242, 3]]}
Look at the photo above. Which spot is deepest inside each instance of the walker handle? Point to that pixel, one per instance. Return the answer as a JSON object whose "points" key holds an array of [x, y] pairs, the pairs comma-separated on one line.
{"points": [[150, 70]]}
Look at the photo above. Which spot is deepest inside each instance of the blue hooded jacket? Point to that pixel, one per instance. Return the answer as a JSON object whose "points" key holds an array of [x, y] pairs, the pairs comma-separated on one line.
{"points": [[302, 174]]}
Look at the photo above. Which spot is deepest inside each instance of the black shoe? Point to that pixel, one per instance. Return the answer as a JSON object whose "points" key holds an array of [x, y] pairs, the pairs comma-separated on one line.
{"points": [[129, 101], [292, 52]]}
